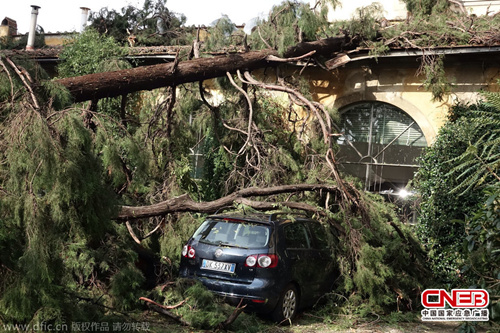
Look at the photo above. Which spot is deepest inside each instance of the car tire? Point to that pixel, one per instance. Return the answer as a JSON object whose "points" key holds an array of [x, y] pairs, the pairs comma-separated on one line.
{"points": [[287, 306]]}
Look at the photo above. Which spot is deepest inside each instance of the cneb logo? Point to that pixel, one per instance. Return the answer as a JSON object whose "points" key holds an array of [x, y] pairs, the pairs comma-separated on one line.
{"points": [[459, 298], [463, 305]]}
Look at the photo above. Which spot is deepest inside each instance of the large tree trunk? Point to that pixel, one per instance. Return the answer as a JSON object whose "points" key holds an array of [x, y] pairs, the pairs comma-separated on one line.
{"points": [[117, 83]]}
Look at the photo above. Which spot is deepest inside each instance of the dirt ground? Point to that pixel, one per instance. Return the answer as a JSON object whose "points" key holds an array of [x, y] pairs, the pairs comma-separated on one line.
{"points": [[309, 325], [306, 325], [416, 327]]}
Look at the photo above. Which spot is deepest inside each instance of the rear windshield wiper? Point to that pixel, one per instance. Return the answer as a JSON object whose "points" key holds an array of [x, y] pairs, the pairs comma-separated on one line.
{"points": [[221, 243]]}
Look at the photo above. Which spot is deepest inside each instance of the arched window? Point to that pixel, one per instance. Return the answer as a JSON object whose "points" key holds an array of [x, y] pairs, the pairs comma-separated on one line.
{"points": [[379, 144]]}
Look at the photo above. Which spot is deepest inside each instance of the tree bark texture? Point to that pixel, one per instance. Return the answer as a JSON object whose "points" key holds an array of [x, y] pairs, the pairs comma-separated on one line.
{"points": [[117, 83]]}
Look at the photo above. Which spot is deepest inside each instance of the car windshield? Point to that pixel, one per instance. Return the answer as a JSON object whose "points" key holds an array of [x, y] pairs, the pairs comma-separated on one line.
{"points": [[233, 233]]}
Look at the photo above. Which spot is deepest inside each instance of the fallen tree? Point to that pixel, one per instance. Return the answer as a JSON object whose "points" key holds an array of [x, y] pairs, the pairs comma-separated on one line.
{"points": [[118, 83], [66, 172]]}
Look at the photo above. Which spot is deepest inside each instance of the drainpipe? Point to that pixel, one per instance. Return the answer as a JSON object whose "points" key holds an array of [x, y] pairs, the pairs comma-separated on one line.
{"points": [[85, 16], [31, 34]]}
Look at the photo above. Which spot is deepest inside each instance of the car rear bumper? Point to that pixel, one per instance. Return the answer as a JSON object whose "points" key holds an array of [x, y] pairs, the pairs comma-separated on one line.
{"points": [[261, 295]]}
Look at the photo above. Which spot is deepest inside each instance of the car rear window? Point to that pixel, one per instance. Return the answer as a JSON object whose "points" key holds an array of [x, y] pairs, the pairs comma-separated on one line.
{"points": [[233, 233]]}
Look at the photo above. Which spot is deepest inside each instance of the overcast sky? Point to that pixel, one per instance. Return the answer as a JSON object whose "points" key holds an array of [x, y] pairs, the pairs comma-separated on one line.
{"points": [[65, 15]]}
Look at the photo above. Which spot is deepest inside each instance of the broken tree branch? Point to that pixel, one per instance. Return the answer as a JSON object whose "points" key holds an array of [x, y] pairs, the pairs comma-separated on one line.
{"points": [[460, 5], [149, 234], [132, 233], [278, 59], [250, 114], [202, 95], [262, 38], [164, 311], [169, 307], [264, 205], [226, 323], [26, 84], [184, 203], [10, 79], [304, 100]]}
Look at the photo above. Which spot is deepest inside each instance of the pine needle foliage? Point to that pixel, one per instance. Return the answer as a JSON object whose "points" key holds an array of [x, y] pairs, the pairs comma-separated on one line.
{"points": [[112, 119], [153, 24], [390, 266], [426, 7], [444, 29], [363, 25], [13, 90], [89, 53], [288, 23], [434, 24], [435, 80], [56, 200], [205, 311], [223, 36], [63, 258]]}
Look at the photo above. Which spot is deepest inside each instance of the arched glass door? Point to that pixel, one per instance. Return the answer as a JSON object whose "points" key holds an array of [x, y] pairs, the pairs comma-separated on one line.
{"points": [[379, 144]]}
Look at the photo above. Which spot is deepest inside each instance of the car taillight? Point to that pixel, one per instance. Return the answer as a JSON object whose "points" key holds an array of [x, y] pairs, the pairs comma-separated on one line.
{"points": [[262, 260], [251, 261], [188, 252]]}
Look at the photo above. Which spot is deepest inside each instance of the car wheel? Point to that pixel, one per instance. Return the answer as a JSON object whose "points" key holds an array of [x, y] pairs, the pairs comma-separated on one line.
{"points": [[287, 305]]}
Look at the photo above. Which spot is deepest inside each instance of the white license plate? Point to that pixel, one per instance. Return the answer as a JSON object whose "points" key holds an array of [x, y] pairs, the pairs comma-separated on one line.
{"points": [[218, 266]]}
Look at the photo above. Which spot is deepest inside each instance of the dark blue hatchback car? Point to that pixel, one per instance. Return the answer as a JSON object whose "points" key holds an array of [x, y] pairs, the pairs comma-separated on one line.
{"points": [[277, 263]]}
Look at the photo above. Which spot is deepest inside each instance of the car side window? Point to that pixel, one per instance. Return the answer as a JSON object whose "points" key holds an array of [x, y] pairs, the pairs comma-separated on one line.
{"points": [[320, 235], [296, 236]]}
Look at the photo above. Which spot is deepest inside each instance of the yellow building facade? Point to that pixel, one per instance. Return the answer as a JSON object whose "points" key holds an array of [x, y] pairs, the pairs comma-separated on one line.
{"points": [[387, 114]]}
